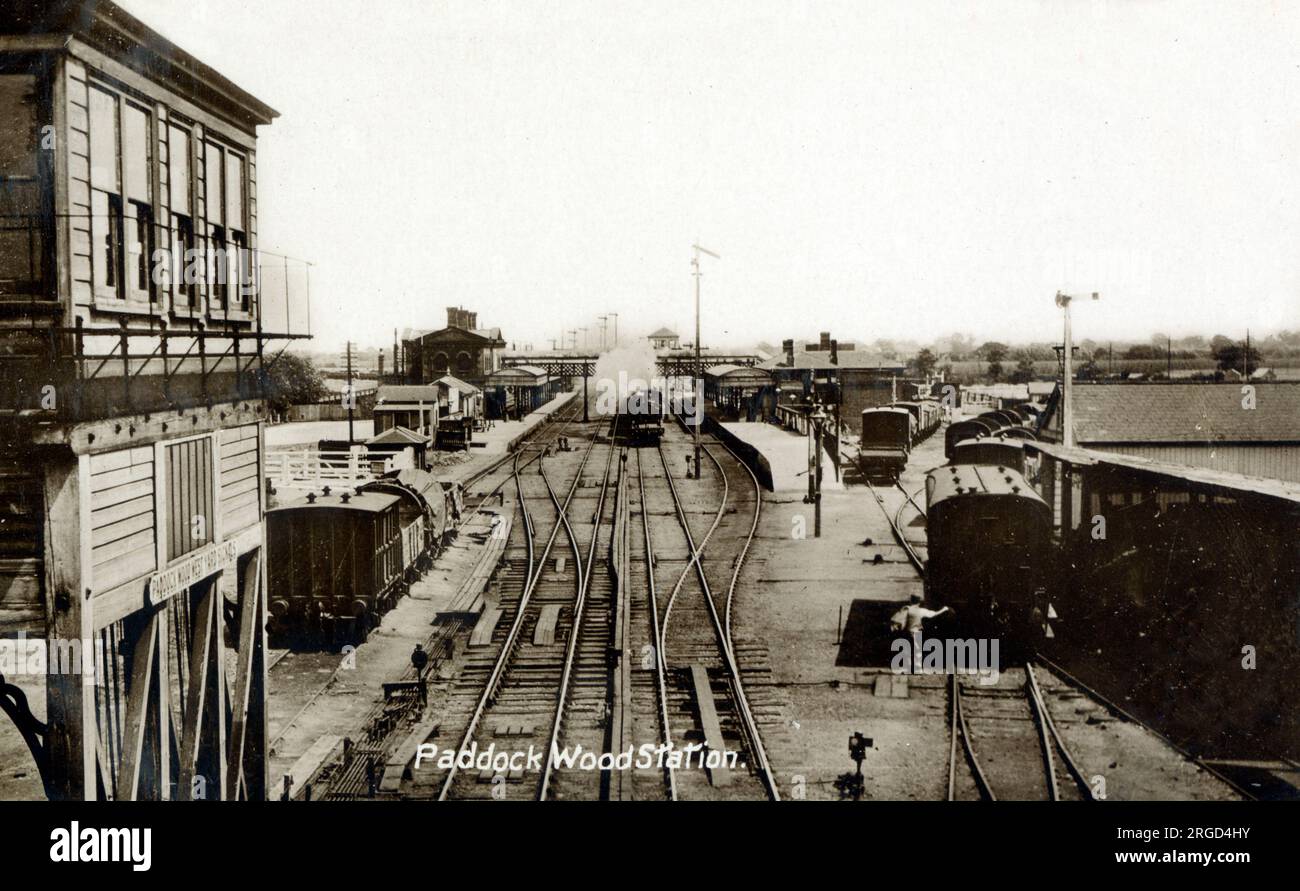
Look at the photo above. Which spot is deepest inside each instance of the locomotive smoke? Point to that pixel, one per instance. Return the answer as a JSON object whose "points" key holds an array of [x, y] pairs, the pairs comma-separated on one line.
{"points": [[622, 371]]}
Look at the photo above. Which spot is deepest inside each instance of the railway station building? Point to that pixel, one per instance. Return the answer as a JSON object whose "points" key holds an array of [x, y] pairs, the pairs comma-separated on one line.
{"points": [[132, 365], [838, 373], [461, 348]]}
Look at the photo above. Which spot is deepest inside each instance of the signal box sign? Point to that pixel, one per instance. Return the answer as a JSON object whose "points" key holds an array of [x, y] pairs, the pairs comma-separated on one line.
{"points": [[194, 568]]}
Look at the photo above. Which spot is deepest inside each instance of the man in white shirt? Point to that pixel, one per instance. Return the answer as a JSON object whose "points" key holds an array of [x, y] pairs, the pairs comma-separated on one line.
{"points": [[911, 619]]}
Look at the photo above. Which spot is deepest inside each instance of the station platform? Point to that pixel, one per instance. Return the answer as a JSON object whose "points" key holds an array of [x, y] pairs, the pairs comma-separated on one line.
{"points": [[501, 438], [786, 454]]}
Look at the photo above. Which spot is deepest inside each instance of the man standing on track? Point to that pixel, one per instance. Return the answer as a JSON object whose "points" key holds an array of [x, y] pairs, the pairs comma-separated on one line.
{"points": [[911, 619]]}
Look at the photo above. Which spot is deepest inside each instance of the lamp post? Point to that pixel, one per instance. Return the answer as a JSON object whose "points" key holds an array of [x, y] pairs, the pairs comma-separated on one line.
{"points": [[818, 417], [699, 370], [1067, 372]]}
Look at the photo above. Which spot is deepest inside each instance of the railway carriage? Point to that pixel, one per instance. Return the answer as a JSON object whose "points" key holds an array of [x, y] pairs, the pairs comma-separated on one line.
{"points": [[970, 428], [886, 443], [335, 561], [339, 559], [1003, 417], [991, 451], [926, 413], [989, 539], [423, 514]]}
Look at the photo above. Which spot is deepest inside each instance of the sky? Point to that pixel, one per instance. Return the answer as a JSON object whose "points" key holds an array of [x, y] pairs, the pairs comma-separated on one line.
{"points": [[896, 170]]}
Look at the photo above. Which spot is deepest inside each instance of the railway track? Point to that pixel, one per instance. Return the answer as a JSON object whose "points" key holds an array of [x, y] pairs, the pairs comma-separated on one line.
{"points": [[515, 695], [647, 681], [699, 655], [1021, 755], [1072, 681], [896, 523]]}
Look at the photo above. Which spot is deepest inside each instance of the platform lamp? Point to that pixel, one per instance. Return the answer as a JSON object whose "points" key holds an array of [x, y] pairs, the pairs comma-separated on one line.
{"points": [[1067, 373], [818, 417]]}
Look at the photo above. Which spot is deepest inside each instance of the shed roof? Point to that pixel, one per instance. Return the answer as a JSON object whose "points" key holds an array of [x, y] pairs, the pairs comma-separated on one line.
{"points": [[398, 436], [407, 394], [455, 383], [1200, 476], [1183, 413]]}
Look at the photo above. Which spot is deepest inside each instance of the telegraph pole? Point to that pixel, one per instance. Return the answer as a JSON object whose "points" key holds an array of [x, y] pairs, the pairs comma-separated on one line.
{"points": [[615, 315], [352, 398], [699, 370]]}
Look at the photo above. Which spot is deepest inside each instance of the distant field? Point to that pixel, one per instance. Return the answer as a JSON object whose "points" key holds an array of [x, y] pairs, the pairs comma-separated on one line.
{"points": [[976, 371]]}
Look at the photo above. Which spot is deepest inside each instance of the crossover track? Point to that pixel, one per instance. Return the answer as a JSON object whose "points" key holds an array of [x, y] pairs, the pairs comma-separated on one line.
{"points": [[521, 705], [701, 632], [896, 524]]}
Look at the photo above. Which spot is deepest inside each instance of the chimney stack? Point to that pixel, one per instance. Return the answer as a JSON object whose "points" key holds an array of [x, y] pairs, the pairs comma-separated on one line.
{"points": [[825, 341], [788, 347], [835, 352]]}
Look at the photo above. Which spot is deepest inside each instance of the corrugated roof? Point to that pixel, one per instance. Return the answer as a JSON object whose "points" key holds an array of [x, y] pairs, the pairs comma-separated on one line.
{"points": [[1204, 413], [664, 332]]}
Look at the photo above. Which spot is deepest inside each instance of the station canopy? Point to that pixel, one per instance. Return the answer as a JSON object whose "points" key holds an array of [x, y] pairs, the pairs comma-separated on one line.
{"points": [[518, 376], [738, 376]]}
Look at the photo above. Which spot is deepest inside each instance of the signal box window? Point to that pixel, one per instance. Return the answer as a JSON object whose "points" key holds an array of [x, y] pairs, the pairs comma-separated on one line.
{"points": [[22, 222]]}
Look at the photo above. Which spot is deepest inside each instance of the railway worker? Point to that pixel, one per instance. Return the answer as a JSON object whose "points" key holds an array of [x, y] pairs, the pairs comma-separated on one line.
{"points": [[911, 619], [420, 659]]}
